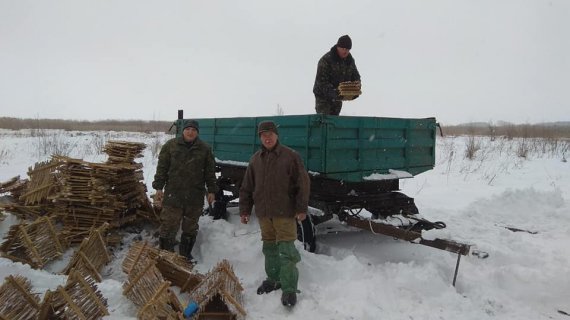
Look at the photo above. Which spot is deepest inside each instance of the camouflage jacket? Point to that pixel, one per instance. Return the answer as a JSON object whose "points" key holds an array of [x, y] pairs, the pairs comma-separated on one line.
{"points": [[276, 182], [331, 71], [183, 170]]}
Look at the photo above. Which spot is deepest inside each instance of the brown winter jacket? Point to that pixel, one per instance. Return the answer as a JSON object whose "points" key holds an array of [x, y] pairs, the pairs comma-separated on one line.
{"points": [[276, 182]]}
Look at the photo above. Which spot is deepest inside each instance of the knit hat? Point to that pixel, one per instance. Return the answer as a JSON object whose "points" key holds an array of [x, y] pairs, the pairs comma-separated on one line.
{"points": [[344, 42], [267, 126], [191, 123]]}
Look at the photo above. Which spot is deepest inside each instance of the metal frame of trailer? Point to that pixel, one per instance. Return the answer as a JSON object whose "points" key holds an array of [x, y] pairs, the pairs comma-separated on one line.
{"points": [[354, 163]]}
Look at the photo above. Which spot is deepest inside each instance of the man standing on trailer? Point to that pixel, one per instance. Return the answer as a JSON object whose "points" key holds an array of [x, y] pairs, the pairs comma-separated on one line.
{"points": [[185, 165], [277, 183], [336, 66]]}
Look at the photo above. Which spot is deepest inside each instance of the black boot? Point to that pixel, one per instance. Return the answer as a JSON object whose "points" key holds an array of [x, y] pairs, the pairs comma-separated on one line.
{"points": [[289, 299], [268, 286], [187, 242], [166, 244]]}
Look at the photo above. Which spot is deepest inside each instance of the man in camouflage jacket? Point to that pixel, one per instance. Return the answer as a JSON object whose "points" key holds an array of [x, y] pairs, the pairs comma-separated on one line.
{"points": [[334, 67], [278, 184], [185, 165]]}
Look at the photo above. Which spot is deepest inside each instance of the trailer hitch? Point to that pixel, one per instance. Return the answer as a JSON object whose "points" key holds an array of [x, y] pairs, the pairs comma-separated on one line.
{"points": [[415, 236]]}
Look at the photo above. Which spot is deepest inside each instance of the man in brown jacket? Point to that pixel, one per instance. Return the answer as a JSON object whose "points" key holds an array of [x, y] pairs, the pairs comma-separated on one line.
{"points": [[278, 184]]}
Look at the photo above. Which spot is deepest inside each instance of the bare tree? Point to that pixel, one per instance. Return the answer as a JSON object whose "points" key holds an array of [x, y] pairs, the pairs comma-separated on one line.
{"points": [[492, 131], [473, 144]]}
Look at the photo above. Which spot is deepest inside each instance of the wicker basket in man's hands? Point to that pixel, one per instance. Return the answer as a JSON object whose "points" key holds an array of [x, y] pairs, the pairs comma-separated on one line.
{"points": [[349, 90]]}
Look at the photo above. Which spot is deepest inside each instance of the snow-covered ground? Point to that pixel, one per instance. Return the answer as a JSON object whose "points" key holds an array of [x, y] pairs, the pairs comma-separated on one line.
{"points": [[359, 275]]}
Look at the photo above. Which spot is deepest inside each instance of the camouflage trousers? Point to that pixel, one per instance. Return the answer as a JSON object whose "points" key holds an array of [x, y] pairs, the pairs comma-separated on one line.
{"points": [[328, 107], [170, 218]]}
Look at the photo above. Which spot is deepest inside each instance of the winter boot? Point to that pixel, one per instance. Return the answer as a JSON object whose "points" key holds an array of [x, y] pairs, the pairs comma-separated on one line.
{"points": [[268, 286], [187, 242], [166, 244], [289, 299]]}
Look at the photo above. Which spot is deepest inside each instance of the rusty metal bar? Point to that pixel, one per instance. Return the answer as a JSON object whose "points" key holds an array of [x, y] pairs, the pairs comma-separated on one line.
{"points": [[447, 245], [408, 235], [456, 269], [412, 236]]}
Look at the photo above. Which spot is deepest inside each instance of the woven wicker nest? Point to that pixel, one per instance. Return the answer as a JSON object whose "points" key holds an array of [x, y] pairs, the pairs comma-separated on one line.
{"points": [[348, 90]]}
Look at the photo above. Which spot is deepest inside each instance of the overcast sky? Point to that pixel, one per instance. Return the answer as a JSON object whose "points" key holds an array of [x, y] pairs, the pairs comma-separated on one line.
{"points": [[456, 60]]}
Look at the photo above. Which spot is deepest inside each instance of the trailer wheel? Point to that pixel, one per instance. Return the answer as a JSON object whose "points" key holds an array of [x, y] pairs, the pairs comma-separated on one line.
{"points": [[306, 234]]}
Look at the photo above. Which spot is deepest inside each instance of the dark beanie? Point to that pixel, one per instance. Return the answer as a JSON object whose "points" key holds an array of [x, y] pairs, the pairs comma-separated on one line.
{"points": [[344, 42], [191, 123], [267, 126]]}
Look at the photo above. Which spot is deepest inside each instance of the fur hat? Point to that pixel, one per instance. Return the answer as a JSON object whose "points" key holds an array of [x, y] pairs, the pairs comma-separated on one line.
{"points": [[192, 124], [267, 126], [344, 42]]}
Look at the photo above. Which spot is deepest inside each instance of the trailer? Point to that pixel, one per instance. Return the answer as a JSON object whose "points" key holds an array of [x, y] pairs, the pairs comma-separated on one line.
{"points": [[354, 163]]}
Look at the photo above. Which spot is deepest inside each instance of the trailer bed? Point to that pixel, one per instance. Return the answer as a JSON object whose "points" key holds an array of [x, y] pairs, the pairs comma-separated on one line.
{"points": [[346, 148]]}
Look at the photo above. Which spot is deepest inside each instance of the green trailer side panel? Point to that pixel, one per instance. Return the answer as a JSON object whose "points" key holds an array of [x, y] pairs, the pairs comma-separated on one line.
{"points": [[343, 148]]}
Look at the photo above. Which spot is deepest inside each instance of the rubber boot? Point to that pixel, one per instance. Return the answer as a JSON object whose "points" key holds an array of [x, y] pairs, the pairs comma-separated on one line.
{"points": [[166, 244], [268, 286], [271, 252], [288, 273], [289, 299], [187, 242]]}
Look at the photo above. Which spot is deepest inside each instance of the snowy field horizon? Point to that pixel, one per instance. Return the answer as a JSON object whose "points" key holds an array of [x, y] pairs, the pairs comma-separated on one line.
{"points": [[359, 275]]}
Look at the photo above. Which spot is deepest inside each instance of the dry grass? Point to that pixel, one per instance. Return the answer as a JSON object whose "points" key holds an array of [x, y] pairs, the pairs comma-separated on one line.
{"points": [[49, 142], [545, 139], [73, 125], [4, 154], [155, 145], [510, 131], [489, 159]]}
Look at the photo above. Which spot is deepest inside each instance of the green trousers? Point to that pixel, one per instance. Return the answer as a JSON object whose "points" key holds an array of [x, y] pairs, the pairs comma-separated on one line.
{"points": [[281, 260]]}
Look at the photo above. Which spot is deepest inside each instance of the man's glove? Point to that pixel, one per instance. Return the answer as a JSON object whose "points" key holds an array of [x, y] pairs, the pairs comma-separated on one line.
{"points": [[244, 218], [349, 98]]}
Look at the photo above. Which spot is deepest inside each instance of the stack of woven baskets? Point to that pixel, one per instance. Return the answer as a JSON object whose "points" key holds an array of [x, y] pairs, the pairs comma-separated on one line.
{"points": [[349, 90]]}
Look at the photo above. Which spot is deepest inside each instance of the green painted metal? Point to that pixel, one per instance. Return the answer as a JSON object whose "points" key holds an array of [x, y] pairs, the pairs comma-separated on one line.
{"points": [[343, 148]]}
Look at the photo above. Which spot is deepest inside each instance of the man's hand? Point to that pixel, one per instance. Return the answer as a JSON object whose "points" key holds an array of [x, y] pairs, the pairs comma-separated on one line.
{"points": [[158, 197], [244, 218], [211, 198], [301, 216]]}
